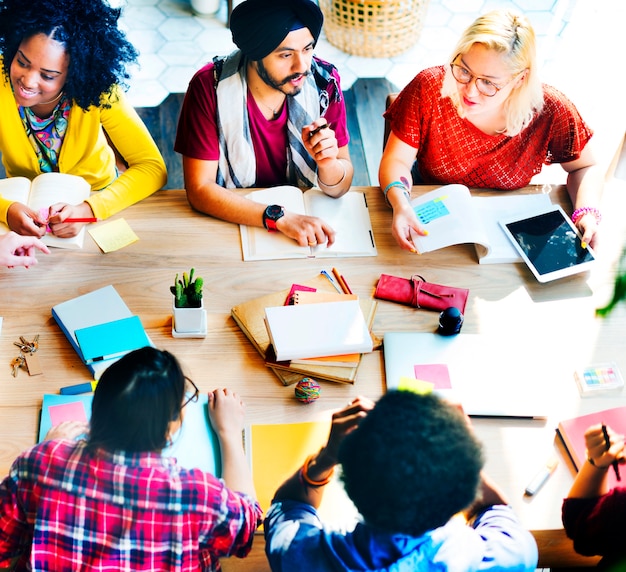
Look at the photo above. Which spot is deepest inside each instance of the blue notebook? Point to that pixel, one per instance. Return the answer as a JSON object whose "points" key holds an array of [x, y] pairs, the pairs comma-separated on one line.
{"points": [[195, 446], [111, 339], [96, 307]]}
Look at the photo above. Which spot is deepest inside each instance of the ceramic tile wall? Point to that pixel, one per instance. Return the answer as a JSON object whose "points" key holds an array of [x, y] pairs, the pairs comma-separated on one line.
{"points": [[174, 42]]}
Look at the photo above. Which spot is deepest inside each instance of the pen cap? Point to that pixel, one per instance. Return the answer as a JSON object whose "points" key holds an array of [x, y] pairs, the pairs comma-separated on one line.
{"points": [[450, 321]]}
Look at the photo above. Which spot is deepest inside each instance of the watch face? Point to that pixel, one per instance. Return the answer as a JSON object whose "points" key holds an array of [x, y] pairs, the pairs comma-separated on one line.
{"points": [[274, 212], [271, 215]]}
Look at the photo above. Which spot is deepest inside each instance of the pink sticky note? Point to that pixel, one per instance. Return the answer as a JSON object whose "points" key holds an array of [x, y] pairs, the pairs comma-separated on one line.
{"points": [[67, 412], [436, 373]]}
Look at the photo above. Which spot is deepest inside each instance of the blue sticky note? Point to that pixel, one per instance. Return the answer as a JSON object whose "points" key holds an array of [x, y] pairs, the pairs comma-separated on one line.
{"points": [[432, 210], [111, 339]]}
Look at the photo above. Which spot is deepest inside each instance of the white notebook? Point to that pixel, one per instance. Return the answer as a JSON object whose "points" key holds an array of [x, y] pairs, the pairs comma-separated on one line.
{"points": [[348, 216], [45, 190], [453, 216], [314, 330]]}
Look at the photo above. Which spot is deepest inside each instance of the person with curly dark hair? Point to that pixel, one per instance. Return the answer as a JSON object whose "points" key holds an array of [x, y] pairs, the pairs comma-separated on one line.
{"points": [[412, 467], [63, 109]]}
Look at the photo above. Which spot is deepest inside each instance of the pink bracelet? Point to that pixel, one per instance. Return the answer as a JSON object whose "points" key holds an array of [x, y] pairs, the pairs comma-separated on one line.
{"points": [[582, 211]]}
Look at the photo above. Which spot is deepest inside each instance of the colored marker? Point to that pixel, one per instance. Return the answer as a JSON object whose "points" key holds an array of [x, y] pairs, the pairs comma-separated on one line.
{"points": [[86, 219], [317, 129], [77, 389], [344, 285], [607, 445], [541, 477]]}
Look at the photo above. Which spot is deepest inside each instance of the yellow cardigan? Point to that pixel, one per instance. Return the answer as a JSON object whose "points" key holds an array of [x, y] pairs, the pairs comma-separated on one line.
{"points": [[85, 152]]}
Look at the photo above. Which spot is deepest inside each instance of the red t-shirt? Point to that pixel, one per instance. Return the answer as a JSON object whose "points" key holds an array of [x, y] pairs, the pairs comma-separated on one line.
{"points": [[197, 135], [450, 149]]}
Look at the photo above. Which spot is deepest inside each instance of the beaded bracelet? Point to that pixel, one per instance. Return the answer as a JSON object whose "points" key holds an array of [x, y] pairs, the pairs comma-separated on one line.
{"points": [[305, 477], [340, 180], [400, 185], [582, 211]]}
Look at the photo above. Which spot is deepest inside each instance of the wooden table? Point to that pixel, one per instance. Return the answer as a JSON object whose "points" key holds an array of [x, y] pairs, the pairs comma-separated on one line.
{"points": [[504, 299]]}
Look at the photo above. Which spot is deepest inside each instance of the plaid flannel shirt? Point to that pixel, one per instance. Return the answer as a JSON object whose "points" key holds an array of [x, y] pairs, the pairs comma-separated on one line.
{"points": [[64, 508]]}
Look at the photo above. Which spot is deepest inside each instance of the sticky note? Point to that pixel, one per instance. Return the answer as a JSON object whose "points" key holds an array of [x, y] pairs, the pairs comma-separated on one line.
{"points": [[436, 373], [431, 210], [418, 386], [113, 235], [67, 412]]}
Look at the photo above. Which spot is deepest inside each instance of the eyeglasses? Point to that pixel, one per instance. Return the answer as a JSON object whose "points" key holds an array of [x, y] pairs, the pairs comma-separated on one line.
{"points": [[483, 85], [195, 392]]}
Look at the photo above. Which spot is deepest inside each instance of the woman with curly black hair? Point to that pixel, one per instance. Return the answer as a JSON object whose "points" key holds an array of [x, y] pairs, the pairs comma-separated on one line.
{"points": [[63, 109]]}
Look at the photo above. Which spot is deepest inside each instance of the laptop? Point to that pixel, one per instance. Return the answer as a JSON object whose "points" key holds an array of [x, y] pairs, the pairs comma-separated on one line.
{"points": [[489, 375]]}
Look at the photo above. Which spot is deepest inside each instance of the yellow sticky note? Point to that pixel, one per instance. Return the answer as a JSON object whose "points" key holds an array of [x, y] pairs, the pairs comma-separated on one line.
{"points": [[418, 386], [113, 235]]}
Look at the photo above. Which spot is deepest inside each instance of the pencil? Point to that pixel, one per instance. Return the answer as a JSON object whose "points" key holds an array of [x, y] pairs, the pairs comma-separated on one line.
{"points": [[86, 219], [607, 445], [344, 286]]}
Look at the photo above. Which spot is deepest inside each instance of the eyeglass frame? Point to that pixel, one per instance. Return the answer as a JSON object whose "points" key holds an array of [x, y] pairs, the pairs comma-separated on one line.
{"points": [[195, 395], [477, 77]]}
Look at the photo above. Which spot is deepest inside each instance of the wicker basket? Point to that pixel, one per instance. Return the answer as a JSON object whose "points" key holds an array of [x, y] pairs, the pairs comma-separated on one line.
{"points": [[373, 28]]}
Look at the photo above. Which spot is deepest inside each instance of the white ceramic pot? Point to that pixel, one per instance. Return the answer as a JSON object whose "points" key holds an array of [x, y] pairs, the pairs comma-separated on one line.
{"points": [[190, 322], [205, 6]]}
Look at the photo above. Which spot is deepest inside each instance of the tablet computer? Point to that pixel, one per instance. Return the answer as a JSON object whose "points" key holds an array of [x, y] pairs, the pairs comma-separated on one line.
{"points": [[549, 243]]}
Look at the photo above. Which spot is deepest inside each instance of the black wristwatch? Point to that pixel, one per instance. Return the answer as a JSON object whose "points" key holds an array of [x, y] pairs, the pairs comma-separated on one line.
{"points": [[271, 215]]}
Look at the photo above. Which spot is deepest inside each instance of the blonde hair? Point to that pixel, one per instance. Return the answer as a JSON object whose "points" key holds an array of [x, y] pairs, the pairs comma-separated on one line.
{"points": [[511, 35]]}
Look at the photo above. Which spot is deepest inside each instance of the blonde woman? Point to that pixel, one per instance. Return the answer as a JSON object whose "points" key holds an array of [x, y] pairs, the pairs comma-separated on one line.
{"points": [[485, 120]]}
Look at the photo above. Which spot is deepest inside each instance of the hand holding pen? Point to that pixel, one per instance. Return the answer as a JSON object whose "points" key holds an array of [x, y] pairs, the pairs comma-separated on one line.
{"points": [[320, 142], [604, 448], [607, 447], [66, 220]]}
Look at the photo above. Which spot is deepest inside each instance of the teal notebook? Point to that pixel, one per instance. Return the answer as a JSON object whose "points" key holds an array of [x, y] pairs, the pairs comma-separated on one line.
{"points": [[195, 446], [111, 339]]}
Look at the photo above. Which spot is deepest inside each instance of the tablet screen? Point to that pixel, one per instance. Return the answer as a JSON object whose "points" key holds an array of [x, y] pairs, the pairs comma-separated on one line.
{"points": [[550, 244]]}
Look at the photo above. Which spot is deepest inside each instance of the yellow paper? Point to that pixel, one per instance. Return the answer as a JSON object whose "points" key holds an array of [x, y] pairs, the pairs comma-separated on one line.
{"points": [[418, 386], [113, 235], [279, 450]]}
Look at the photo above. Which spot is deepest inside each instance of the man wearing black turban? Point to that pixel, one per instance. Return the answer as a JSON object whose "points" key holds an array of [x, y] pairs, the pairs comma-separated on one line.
{"points": [[269, 114]]}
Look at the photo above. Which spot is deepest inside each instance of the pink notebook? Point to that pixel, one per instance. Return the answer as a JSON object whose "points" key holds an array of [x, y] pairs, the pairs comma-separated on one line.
{"points": [[572, 432]]}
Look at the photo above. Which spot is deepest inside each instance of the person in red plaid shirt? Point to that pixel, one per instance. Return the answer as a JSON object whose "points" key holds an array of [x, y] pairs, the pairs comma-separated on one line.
{"points": [[112, 501]]}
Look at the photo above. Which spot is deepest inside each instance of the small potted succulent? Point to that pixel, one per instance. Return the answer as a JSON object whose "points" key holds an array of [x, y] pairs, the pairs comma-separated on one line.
{"points": [[188, 307]]}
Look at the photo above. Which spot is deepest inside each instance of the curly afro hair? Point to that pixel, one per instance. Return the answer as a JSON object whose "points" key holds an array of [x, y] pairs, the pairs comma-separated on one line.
{"points": [[98, 50], [412, 463]]}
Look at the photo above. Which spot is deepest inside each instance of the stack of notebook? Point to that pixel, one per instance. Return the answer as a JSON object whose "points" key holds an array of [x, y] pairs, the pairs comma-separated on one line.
{"points": [[100, 327], [292, 308]]}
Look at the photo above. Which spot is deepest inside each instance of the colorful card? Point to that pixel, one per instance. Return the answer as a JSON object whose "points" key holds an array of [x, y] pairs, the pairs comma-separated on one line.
{"points": [[598, 378]]}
